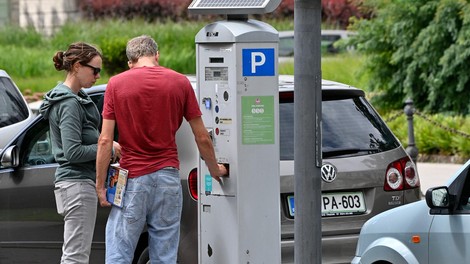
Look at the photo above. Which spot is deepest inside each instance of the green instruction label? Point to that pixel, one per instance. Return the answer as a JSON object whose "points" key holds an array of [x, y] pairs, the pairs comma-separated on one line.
{"points": [[257, 120]]}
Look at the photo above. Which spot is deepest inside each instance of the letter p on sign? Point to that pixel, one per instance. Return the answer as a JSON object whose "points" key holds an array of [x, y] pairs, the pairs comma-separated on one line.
{"points": [[258, 62]]}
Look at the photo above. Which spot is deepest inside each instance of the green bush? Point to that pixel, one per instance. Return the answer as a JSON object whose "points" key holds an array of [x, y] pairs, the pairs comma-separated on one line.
{"points": [[437, 134], [418, 49], [114, 60]]}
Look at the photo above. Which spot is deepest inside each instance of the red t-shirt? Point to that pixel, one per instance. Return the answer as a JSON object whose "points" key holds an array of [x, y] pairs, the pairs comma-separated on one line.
{"points": [[148, 105]]}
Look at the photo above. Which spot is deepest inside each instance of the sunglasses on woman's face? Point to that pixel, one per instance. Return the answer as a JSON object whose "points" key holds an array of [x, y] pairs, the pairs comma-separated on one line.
{"points": [[95, 69]]}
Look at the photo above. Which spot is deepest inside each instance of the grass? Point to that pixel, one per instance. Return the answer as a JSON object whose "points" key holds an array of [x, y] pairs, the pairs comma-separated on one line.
{"points": [[337, 68], [343, 68], [27, 56], [28, 59]]}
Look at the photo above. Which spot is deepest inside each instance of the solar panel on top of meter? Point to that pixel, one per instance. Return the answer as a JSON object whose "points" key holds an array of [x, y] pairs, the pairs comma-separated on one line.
{"points": [[230, 3]]}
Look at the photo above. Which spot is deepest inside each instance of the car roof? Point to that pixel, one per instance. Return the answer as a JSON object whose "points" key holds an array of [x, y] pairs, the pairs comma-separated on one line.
{"points": [[96, 89], [4, 73], [329, 88]]}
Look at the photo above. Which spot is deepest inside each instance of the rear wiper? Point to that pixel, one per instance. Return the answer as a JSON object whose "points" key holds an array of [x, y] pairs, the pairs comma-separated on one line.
{"points": [[348, 151]]}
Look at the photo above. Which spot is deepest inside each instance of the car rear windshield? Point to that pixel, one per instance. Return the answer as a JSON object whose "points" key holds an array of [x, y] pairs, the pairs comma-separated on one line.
{"points": [[12, 106], [351, 127]]}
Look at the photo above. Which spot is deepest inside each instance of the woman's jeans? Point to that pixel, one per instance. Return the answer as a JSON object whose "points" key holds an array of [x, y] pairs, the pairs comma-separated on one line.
{"points": [[77, 202], [153, 201]]}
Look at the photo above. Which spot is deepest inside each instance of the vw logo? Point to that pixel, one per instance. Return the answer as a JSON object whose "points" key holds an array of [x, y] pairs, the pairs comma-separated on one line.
{"points": [[328, 172]]}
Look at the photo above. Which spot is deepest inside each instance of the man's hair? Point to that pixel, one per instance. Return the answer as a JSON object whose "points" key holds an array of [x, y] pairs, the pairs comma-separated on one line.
{"points": [[141, 46]]}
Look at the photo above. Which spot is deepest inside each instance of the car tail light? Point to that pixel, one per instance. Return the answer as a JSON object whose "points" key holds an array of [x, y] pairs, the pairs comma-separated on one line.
{"points": [[393, 179], [401, 175], [192, 184], [411, 175]]}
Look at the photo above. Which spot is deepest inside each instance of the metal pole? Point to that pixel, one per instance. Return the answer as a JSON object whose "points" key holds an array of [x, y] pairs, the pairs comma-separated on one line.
{"points": [[411, 149], [307, 137]]}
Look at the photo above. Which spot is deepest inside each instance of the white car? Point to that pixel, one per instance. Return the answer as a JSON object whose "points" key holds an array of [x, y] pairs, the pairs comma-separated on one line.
{"points": [[328, 39], [435, 230], [14, 111]]}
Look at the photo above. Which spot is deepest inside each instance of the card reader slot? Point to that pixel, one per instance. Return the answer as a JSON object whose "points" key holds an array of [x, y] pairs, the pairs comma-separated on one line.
{"points": [[227, 166]]}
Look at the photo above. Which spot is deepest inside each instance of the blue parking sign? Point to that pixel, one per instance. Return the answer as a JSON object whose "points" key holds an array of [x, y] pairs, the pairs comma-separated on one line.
{"points": [[258, 62]]}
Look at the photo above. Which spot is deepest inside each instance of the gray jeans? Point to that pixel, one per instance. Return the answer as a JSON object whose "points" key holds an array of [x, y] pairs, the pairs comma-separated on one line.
{"points": [[77, 202]]}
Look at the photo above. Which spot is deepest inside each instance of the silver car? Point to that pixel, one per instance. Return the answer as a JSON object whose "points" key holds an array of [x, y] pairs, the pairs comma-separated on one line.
{"points": [[14, 112], [328, 39], [435, 230], [366, 171]]}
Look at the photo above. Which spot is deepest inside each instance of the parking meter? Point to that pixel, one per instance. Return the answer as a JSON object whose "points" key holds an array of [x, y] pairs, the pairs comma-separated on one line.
{"points": [[237, 83]]}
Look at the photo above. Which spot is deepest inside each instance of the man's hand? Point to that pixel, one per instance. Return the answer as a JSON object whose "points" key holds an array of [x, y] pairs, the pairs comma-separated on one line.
{"points": [[205, 147], [222, 172], [102, 197], [116, 152]]}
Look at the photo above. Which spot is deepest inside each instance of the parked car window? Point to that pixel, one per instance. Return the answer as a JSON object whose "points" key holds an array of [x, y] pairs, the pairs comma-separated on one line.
{"points": [[38, 150], [286, 47], [328, 40], [352, 126], [12, 106], [98, 99]]}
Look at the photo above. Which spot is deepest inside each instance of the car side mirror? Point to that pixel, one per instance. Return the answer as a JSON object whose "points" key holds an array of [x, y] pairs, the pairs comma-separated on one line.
{"points": [[10, 157], [438, 197]]}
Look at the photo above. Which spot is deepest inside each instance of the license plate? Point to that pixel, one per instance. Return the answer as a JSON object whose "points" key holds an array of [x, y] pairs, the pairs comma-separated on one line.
{"points": [[333, 204]]}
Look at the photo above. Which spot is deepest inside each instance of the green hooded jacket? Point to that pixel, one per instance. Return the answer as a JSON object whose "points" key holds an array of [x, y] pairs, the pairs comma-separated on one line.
{"points": [[74, 120]]}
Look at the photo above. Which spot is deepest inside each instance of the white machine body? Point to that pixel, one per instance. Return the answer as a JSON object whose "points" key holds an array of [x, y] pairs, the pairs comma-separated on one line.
{"points": [[237, 82]]}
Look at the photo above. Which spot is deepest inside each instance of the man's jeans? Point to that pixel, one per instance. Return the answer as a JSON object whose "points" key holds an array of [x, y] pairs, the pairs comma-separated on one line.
{"points": [[153, 201], [77, 202]]}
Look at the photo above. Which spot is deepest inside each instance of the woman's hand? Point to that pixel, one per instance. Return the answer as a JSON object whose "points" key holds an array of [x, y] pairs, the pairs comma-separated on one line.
{"points": [[116, 152]]}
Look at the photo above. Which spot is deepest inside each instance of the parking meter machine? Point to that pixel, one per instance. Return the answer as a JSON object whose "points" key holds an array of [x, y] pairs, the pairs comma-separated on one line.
{"points": [[237, 82]]}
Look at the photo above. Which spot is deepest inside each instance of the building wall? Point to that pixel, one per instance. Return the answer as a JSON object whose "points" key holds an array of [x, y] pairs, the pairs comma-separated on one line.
{"points": [[45, 15], [4, 14]]}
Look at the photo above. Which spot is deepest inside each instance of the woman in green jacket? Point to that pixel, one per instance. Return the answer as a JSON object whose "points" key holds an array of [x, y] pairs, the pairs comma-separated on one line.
{"points": [[74, 122]]}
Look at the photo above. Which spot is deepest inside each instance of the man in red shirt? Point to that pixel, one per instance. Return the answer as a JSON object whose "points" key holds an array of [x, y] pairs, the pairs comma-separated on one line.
{"points": [[149, 103]]}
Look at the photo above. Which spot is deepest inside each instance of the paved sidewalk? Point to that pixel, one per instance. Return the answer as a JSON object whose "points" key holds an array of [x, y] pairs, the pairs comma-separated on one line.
{"points": [[435, 174]]}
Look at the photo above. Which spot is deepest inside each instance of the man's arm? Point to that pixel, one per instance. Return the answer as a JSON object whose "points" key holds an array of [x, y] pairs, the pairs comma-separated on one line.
{"points": [[204, 144], [103, 156]]}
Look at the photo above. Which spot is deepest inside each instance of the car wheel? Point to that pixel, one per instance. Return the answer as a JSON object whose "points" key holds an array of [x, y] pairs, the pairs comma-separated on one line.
{"points": [[144, 257]]}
